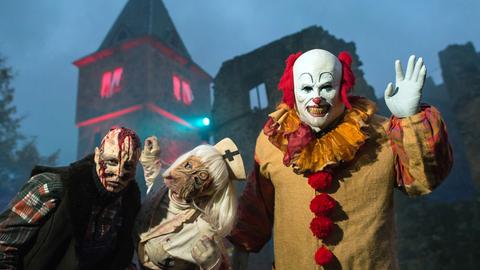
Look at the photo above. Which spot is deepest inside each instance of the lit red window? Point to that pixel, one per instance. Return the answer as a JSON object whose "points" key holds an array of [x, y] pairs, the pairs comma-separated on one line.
{"points": [[176, 88], [111, 82], [181, 90]]}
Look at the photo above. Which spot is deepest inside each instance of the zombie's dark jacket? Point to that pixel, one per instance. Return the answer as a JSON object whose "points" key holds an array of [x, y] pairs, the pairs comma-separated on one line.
{"points": [[63, 218]]}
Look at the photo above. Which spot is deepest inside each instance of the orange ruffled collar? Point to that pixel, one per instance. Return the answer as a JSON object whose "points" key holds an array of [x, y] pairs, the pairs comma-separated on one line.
{"points": [[306, 153]]}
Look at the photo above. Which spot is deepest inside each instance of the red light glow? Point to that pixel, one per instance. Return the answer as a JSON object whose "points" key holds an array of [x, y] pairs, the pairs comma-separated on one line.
{"points": [[127, 45], [176, 88], [93, 57], [109, 116], [182, 90], [152, 107], [111, 82], [187, 95], [168, 115]]}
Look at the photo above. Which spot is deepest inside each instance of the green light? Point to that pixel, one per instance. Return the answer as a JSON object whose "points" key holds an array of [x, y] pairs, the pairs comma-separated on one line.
{"points": [[206, 121]]}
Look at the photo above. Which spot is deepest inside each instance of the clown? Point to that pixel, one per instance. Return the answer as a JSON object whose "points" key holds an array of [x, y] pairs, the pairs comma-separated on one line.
{"points": [[326, 166], [183, 222], [76, 217]]}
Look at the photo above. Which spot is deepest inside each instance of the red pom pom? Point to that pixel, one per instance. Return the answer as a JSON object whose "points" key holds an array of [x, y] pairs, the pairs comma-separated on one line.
{"points": [[322, 205], [323, 256], [320, 180], [348, 78], [286, 82], [321, 226]]}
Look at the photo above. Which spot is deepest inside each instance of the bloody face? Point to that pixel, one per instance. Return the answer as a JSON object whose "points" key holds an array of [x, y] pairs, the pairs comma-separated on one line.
{"points": [[317, 75], [117, 158], [187, 179]]}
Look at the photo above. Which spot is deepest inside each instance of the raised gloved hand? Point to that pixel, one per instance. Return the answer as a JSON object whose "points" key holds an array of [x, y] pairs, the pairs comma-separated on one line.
{"points": [[206, 253], [150, 160], [404, 100]]}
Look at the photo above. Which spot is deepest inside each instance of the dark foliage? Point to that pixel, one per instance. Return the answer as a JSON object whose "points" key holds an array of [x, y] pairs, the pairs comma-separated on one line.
{"points": [[438, 235], [18, 152]]}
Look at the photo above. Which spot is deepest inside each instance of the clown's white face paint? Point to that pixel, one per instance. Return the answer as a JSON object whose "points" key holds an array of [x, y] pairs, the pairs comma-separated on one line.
{"points": [[116, 160], [316, 77]]}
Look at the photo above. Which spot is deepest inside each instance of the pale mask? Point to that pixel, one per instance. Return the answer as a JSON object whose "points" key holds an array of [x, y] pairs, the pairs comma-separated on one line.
{"points": [[188, 178], [316, 77], [117, 158]]}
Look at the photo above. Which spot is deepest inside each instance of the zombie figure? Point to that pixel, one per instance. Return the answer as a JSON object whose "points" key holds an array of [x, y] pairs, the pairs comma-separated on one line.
{"points": [[76, 217], [327, 165], [185, 218]]}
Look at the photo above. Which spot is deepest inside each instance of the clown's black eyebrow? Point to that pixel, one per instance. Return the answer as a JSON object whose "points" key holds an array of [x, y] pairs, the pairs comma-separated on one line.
{"points": [[311, 78], [329, 73]]}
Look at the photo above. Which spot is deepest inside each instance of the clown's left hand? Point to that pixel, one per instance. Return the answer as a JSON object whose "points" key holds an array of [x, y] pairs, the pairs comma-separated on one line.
{"points": [[404, 99], [206, 253]]}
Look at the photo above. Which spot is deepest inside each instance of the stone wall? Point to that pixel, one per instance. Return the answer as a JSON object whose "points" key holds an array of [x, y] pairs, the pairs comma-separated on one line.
{"points": [[461, 73]]}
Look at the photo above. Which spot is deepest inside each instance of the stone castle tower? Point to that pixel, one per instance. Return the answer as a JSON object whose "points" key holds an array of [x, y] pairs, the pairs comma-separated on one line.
{"points": [[142, 77]]}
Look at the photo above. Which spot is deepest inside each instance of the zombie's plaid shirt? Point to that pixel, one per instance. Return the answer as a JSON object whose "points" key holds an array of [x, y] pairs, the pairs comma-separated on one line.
{"points": [[23, 218], [26, 213]]}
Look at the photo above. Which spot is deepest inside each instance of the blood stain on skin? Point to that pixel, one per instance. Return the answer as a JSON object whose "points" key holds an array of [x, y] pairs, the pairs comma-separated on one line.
{"points": [[134, 141]]}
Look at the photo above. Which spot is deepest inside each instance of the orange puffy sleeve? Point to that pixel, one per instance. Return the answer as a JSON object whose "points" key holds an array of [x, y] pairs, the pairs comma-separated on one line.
{"points": [[423, 155]]}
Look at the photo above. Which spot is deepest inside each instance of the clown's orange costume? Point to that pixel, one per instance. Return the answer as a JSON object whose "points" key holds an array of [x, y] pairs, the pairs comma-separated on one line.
{"points": [[326, 166]]}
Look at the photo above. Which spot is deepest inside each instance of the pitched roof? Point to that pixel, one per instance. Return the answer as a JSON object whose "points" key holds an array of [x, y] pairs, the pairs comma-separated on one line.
{"points": [[145, 18]]}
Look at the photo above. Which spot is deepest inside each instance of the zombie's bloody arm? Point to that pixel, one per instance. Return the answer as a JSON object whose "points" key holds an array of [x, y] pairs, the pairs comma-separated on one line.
{"points": [[423, 154], [21, 221], [255, 213]]}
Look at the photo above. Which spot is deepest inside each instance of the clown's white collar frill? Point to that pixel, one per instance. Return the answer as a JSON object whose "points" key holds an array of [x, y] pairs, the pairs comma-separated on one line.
{"points": [[305, 151]]}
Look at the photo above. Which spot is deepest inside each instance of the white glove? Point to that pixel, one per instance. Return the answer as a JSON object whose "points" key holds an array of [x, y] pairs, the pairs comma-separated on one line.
{"points": [[150, 160], [206, 253], [404, 100]]}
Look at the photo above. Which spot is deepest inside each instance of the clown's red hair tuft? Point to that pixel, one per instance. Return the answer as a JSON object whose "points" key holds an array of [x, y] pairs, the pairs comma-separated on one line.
{"points": [[286, 82], [348, 78]]}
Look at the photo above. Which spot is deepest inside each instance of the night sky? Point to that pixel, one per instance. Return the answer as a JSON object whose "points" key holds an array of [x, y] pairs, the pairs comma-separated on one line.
{"points": [[41, 39]]}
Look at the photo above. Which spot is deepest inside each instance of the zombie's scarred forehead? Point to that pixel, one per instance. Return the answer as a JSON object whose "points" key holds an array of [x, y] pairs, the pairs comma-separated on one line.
{"points": [[120, 136]]}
